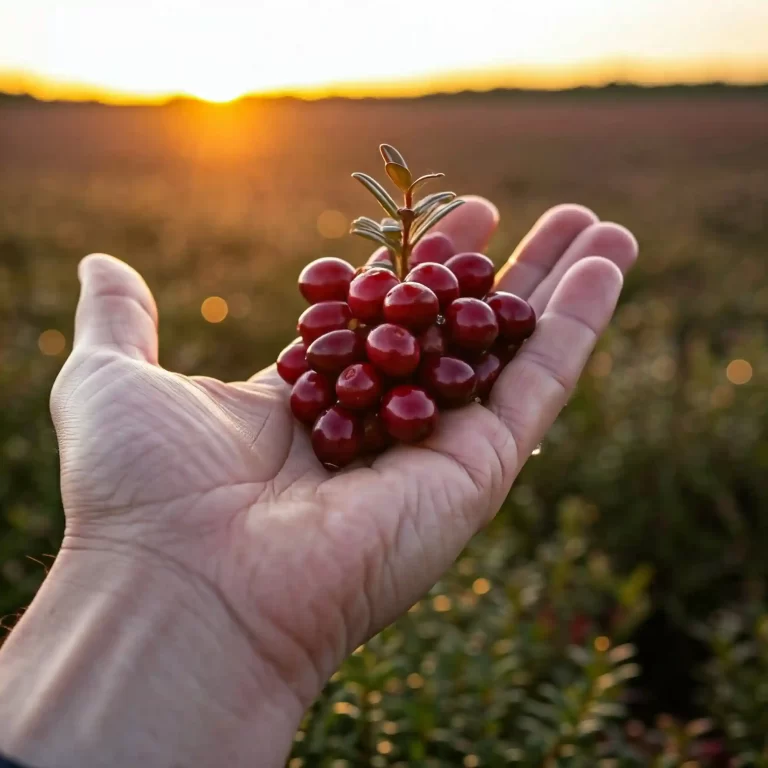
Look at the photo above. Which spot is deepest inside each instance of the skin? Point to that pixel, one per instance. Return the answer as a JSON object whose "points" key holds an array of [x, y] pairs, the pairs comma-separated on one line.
{"points": [[213, 576]]}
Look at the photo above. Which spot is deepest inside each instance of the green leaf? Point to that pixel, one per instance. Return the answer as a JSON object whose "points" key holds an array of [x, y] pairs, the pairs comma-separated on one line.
{"points": [[393, 228], [399, 174], [381, 194], [391, 155], [430, 202], [422, 180], [433, 218], [363, 222], [376, 237]]}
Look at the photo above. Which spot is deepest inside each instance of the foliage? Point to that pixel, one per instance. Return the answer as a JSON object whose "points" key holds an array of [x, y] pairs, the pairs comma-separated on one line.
{"points": [[647, 498]]}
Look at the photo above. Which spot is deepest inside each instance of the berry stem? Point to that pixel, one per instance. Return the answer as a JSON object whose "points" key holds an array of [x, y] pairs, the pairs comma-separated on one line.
{"points": [[406, 216]]}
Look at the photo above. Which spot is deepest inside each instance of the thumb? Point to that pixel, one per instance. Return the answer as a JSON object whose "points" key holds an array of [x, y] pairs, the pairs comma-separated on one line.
{"points": [[116, 309]]}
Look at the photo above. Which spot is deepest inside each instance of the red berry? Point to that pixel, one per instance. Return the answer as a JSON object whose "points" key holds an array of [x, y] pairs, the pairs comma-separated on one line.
{"points": [[515, 316], [334, 351], [432, 341], [311, 395], [375, 437], [449, 380], [474, 272], [471, 324], [359, 386], [322, 318], [487, 370], [439, 279], [326, 279], [292, 361], [411, 305], [393, 350], [435, 247], [367, 292], [409, 413], [337, 437]]}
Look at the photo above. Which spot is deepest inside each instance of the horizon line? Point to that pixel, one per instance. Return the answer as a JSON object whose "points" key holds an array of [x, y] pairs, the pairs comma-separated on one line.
{"points": [[553, 78]]}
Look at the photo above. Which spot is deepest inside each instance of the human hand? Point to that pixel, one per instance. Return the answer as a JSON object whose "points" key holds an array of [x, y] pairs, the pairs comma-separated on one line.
{"points": [[190, 492]]}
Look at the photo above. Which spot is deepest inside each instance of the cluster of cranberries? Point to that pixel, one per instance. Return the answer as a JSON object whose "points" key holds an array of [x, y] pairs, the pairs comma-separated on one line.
{"points": [[378, 357]]}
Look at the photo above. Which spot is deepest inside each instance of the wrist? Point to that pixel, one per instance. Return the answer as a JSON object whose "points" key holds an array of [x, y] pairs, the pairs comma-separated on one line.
{"points": [[125, 658]]}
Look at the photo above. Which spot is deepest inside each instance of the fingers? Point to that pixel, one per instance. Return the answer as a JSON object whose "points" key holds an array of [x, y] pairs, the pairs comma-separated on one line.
{"points": [[470, 227], [611, 241], [116, 309], [542, 248], [538, 382]]}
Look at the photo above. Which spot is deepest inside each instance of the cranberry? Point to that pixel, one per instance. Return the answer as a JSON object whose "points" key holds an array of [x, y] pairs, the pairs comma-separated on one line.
{"points": [[375, 437], [326, 279], [449, 380], [337, 437], [474, 272], [471, 324], [292, 361], [311, 395], [435, 247], [439, 279], [432, 341], [322, 318], [367, 292], [515, 316], [393, 350], [359, 386], [334, 351], [409, 413], [487, 370], [411, 305]]}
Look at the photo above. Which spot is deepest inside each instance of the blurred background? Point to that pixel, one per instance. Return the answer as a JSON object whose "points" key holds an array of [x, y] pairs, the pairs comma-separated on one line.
{"points": [[615, 613]]}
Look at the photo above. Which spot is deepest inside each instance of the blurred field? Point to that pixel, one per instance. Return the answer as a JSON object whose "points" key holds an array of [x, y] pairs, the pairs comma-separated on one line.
{"points": [[665, 446]]}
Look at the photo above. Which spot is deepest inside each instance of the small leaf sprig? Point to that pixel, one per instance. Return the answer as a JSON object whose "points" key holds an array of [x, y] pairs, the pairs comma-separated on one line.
{"points": [[404, 225]]}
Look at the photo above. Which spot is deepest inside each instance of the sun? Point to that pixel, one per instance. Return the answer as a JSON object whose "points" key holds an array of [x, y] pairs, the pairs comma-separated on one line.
{"points": [[217, 92]]}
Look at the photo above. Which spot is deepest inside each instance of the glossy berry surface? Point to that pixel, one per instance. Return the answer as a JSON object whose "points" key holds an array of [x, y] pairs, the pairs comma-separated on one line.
{"points": [[393, 350], [359, 386], [412, 305], [326, 279], [439, 279], [292, 362], [367, 292], [474, 272], [322, 318], [487, 370], [432, 341], [435, 247], [375, 437], [337, 437], [471, 324], [449, 380], [334, 351], [516, 318], [311, 395], [409, 414]]}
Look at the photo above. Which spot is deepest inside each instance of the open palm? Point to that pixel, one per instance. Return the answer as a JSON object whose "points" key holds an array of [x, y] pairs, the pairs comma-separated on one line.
{"points": [[218, 482]]}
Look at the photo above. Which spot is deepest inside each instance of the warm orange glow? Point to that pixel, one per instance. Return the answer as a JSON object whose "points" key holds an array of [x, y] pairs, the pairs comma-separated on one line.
{"points": [[221, 50], [51, 342], [739, 372]]}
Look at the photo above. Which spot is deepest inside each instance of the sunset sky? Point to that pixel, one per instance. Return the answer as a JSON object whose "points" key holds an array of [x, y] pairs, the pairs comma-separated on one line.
{"points": [[221, 49]]}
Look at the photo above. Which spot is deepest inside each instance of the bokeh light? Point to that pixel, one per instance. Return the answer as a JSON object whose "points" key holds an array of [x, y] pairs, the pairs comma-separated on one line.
{"points": [[738, 372], [481, 586], [332, 224], [214, 309], [51, 342]]}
